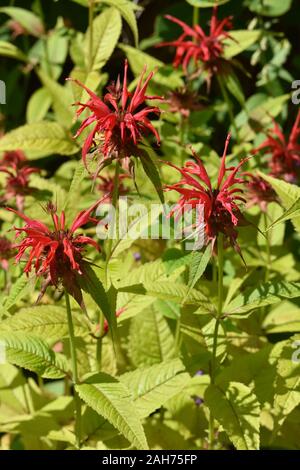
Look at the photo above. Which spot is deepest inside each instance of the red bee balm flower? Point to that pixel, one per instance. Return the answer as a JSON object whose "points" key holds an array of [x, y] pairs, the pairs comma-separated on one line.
{"points": [[220, 210], [15, 165], [107, 185], [121, 119], [56, 254], [285, 153], [259, 192], [194, 44]]}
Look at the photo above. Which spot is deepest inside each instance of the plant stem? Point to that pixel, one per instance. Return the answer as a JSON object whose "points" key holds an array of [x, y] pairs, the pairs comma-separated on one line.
{"points": [[178, 335], [229, 106], [91, 34], [74, 371], [115, 221], [195, 16], [268, 249], [216, 330]]}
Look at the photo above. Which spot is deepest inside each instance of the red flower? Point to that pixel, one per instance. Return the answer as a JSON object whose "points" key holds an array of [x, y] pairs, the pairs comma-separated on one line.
{"points": [[121, 119], [220, 206], [285, 152], [259, 192], [6, 252], [107, 185], [194, 44], [15, 165], [55, 254]]}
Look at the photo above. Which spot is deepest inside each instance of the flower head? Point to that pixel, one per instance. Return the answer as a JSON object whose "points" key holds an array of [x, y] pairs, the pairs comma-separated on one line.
{"points": [[184, 101], [259, 192], [206, 49], [121, 119], [220, 208], [107, 185], [285, 152], [18, 172], [56, 253], [6, 252]]}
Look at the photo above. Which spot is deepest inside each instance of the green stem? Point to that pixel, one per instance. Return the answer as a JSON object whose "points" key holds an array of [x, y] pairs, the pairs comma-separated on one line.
{"points": [[217, 325], [268, 249], [229, 106], [178, 335], [74, 371], [91, 34], [115, 196], [99, 342], [196, 12]]}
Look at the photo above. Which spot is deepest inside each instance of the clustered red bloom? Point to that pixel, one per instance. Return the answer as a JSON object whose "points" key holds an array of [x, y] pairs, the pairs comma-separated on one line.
{"points": [[221, 213], [259, 192], [55, 254], [121, 119], [107, 185], [285, 152], [194, 44], [6, 252], [18, 171], [184, 101]]}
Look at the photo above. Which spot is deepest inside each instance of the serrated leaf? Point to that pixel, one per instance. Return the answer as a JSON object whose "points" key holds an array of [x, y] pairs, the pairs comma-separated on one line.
{"points": [[238, 411], [151, 339], [127, 10], [152, 173], [151, 387], [266, 294], [18, 290], [198, 264], [106, 31], [44, 138], [175, 292], [289, 195], [111, 399], [32, 353], [91, 284], [45, 321]]}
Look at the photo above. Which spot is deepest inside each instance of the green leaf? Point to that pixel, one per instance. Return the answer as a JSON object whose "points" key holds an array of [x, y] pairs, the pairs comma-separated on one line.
{"points": [[38, 105], [175, 292], [287, 390], [18, 291], [151, 387], [151, 339], [32, 353], [137, 61], [91, 284], [152, 173], [111, 399], [48, 322], [10, 50], [234, 87], [127, 10], [106, 31], [241, 40], [238, 411], [26, 18], [206, 3], [270, 7], [61, 99], [44, 138], [266, 294], [198, 264], [289, 195]]}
